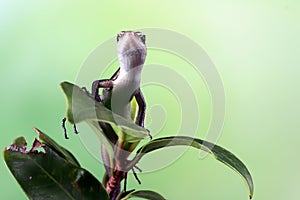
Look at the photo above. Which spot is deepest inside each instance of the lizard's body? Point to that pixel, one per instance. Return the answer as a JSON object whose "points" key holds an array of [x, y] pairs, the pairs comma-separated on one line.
{"points": [[125, 83], [117, 94]]}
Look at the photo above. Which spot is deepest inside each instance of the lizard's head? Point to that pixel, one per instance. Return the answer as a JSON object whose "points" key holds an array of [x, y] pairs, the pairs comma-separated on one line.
{"points": [[131, 49]]}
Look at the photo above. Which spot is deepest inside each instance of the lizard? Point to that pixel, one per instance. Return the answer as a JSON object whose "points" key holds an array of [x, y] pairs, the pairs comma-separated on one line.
{"points": [[119, 90], [117, 94]]}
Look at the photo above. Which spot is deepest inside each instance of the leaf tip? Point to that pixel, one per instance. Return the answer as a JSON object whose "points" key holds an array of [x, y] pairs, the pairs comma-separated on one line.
{"points": [[65, 84], [38, 131], [35, 129]]}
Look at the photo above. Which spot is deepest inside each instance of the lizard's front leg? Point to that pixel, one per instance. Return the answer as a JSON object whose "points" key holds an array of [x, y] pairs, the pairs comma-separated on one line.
{"points": [[105, 83]]}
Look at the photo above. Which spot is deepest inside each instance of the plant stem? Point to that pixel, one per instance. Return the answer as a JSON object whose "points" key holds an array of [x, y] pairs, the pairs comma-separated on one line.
{"points": [[119, 173]]}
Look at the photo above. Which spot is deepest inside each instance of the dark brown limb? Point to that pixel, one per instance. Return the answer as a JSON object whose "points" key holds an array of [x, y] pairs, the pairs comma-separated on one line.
{"points": [[105, 83], [140, 119], [142, 108], [109, 132], [125, 183], [136, 177], [139, 169], [75, 129], [63, 124]]}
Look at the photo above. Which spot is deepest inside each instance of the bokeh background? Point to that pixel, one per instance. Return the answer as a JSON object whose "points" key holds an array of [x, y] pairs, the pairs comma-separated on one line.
{"points": [[254, 45]]}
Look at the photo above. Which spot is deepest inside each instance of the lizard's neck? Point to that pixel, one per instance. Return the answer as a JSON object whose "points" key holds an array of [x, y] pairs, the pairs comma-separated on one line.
{"points": [[131, 52], [132, 59]]}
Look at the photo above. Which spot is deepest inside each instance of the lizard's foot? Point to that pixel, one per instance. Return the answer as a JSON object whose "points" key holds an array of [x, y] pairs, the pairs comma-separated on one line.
{"points": [[149, 135], [75, 129], [63, 124]]}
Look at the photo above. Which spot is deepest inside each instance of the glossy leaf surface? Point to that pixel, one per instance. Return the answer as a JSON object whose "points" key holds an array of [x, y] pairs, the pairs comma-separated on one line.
{"points": [[48, 171], [219, 153], [81, 107], [144, 194]]}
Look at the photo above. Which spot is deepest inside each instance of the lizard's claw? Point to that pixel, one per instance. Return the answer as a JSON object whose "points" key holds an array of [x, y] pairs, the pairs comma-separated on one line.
{"points": [[149, 135], [75, 129]]}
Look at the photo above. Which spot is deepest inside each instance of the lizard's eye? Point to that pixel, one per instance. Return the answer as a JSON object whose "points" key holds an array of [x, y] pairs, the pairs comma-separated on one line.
{"points": [[143, 38], [120, 35]]}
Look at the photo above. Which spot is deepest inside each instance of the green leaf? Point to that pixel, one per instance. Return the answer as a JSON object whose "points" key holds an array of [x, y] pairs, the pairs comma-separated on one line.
{"points": [[108, 146], [61, 151], [48, 171], [81, 107], [219, 153], [145, 194]]}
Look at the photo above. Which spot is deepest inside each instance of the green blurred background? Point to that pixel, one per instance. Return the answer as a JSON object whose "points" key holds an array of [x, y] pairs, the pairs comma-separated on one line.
{"points": [[254, 44]]}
